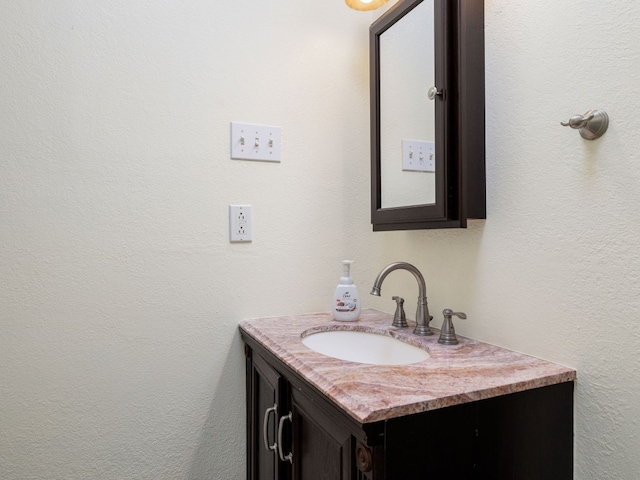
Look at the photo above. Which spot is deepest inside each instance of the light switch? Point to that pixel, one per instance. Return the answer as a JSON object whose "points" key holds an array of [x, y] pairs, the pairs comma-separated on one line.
{"points": [[255, 142]]}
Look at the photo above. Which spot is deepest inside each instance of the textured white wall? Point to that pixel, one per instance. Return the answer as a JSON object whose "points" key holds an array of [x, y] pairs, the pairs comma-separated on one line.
{"points": [[121, 294], [555, 269], [119, 354]]}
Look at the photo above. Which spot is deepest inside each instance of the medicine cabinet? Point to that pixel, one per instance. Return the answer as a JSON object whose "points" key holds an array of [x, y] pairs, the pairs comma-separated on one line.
{"points": [[427, 115]]}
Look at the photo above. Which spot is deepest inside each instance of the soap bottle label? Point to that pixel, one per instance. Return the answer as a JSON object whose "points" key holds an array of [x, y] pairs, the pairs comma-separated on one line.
{"points": [[346, 303]]}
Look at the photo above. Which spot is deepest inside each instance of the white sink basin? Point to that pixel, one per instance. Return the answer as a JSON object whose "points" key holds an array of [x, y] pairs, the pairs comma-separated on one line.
{"points": [[364, 347]]}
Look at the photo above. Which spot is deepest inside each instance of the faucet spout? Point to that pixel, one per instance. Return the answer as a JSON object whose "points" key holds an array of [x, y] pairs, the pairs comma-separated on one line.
{"points": [[422, 313]]}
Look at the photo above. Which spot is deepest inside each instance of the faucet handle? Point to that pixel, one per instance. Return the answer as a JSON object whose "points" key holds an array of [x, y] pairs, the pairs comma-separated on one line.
{"points": [[399, 319], [448, 332], [447, 312]]}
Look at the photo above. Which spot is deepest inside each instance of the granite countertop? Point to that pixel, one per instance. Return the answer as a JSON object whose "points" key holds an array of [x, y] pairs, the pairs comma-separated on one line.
{"points": [[454, 374]]}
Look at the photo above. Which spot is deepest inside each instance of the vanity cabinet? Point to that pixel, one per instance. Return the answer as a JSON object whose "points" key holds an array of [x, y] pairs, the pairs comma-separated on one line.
{"points": [[267, 395], [319, 442], [525, 436]]}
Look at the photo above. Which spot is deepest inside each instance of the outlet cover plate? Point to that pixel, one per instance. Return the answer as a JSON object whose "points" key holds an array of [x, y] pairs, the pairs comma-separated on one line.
{"points": [[240, 229], [255, 142]]}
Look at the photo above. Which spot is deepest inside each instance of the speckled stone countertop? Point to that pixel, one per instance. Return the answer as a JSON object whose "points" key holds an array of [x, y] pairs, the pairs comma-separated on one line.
{"points": [[454, 374]]}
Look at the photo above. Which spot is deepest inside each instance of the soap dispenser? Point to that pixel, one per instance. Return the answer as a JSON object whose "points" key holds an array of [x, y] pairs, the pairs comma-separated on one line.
{"points": [[346, 302]]}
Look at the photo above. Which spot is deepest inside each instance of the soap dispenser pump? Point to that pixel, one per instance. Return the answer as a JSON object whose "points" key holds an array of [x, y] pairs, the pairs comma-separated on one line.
{"points": [[346, 301]]}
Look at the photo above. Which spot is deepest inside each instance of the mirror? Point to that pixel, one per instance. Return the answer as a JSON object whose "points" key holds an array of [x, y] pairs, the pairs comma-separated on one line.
{"points": [[407, 115], [427, 151]]}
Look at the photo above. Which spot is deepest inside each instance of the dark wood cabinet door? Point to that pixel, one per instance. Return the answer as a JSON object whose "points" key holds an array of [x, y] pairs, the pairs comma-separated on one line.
{"points": [[266, 400], [322, 448], [459, 177]]}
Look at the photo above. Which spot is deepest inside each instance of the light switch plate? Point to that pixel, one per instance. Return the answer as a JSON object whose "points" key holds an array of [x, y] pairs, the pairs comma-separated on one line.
{"points": [[255, 142], [418, 156]]}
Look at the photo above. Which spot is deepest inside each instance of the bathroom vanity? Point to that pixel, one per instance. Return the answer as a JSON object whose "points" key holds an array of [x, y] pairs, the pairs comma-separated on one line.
{"points": [[470, 411]]}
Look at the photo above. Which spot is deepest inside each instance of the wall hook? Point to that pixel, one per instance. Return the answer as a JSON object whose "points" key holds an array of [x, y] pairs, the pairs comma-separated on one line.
{"points": [[592, 124]]}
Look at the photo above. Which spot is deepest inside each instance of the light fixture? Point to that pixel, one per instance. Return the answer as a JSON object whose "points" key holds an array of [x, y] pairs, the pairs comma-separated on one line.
{"points": [[365, 4]]}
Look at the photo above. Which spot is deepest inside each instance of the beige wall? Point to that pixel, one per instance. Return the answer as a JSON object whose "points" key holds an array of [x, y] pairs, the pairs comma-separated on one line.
{"points": [[121, 293], [119, 353], [555, 269]]}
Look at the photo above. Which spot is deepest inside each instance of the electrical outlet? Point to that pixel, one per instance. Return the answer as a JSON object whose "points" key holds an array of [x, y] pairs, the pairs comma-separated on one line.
{"points": [[240, 223]]}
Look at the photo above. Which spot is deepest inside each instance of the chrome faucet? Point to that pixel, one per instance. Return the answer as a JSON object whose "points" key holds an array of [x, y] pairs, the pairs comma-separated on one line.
{"points": [[422, 313]]}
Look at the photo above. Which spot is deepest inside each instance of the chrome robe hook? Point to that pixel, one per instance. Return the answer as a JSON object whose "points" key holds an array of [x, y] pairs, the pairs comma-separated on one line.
{"points": [[592, 124]]}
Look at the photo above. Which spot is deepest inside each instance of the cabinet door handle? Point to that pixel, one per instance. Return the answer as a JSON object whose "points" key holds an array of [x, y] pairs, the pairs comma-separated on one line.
{"points": [[289, 456], [265, 426]]}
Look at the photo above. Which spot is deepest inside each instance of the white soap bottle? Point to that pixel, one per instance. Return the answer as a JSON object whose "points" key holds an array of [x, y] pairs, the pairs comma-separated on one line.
{"points": [[346, 302]]}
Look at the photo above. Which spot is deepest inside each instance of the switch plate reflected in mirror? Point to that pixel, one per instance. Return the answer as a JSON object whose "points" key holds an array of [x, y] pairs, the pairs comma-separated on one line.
{"points": [[418, 156]]}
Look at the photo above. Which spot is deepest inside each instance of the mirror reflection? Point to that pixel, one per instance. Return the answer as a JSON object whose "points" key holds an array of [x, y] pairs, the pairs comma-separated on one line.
{"points": [[407, 116]]}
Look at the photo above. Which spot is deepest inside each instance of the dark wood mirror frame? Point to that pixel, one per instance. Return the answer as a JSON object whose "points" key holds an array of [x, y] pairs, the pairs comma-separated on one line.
{"points": [[460, 125]]}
